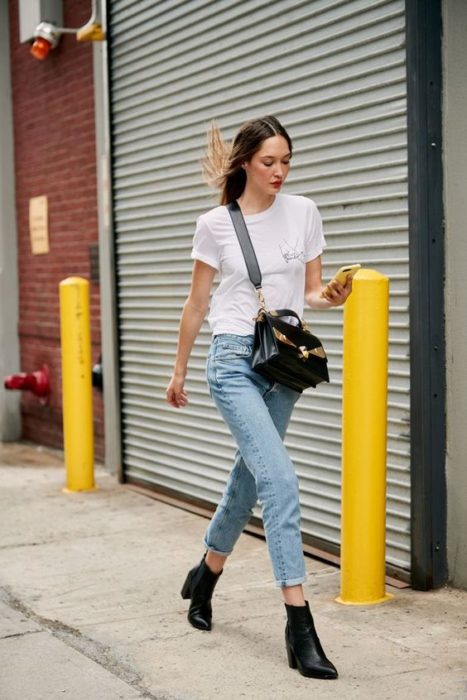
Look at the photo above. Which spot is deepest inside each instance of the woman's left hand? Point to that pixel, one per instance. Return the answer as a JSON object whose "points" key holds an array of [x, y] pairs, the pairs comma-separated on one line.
{"points": [[336, 293]]}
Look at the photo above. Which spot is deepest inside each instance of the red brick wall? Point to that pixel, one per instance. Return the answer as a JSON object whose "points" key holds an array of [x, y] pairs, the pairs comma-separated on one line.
{"points": [[53, 113]]}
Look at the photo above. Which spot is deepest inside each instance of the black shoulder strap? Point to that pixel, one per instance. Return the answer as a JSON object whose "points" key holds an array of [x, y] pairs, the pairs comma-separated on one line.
{"points": [[246, 245]]}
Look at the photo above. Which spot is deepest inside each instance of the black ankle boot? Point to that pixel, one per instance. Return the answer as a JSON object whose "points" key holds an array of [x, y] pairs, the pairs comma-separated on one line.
{"points": [[304, 649], [199, 586]]}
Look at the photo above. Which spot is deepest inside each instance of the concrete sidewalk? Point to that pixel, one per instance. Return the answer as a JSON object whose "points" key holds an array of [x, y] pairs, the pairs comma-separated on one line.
{"points": [[91, 608]]}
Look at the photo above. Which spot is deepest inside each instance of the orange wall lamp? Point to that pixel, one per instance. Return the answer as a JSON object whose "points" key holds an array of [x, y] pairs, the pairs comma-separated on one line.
{"points": [[41, 20]]}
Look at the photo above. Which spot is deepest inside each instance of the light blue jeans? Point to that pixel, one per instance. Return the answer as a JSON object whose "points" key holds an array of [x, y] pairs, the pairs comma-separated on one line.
{"points": [[257, 412]]}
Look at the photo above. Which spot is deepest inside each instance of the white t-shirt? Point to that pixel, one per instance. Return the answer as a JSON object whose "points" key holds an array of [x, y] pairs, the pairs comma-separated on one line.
{"points": [[285, 236]]}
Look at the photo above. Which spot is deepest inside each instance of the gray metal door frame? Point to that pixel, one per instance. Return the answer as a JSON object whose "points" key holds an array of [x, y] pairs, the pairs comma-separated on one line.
{"points": [[427, 341]]}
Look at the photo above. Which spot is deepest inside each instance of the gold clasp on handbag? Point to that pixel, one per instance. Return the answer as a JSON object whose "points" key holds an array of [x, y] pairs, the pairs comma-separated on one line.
{"points": [[283, 338], [305, 353]]}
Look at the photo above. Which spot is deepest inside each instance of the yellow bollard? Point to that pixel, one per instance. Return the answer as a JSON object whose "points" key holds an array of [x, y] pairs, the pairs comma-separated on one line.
{"points": [[77, 384], [364, 424]]}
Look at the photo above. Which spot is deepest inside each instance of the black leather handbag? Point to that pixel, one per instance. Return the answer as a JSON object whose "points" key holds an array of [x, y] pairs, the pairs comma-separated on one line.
{"points": [[284, 352]]}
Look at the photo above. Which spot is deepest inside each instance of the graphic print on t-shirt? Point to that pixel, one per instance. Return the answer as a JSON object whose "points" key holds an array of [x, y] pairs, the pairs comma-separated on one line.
{"points": [[289, 253]]}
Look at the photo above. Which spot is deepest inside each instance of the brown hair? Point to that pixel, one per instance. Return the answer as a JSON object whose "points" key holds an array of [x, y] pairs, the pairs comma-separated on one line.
{"points": [[222, 164]]}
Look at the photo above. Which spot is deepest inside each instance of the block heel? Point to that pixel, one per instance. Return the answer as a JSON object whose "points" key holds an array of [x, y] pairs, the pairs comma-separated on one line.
{"points": [[186, 589], [290, 655]]}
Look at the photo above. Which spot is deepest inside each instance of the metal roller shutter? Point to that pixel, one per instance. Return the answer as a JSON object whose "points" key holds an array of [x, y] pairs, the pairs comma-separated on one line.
{"points": [[334, 73]]}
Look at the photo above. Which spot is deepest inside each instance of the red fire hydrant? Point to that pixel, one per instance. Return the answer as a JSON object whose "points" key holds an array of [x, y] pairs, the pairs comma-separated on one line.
{"points": [[38, 382]]}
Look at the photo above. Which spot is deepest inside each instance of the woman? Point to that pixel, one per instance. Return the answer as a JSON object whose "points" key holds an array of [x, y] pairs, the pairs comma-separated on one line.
{"points": [[286, 233]]}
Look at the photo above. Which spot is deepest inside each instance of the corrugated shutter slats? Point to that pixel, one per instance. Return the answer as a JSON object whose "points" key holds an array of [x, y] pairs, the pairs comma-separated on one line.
{"points": [[334, 72]]}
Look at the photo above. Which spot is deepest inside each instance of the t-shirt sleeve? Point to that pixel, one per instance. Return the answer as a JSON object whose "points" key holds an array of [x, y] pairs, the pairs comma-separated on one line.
{"points": [[205, 247], [315, 242]]}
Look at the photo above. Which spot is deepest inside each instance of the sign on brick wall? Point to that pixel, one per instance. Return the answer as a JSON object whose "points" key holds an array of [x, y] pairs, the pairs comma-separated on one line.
{"points": [[38, 225]]}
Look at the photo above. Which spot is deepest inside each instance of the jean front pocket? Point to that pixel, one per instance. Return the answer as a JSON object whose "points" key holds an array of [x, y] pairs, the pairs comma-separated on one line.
{"points": [[229, 351]]}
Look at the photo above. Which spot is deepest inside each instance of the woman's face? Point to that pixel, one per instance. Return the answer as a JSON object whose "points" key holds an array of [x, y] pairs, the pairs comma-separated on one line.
{"points": [[268, 168]]}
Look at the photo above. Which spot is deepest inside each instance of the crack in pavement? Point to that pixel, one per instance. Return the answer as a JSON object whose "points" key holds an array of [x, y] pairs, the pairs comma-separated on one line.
{"points": [[69, 537], [91, 648], [19, 544], [19, 634]]}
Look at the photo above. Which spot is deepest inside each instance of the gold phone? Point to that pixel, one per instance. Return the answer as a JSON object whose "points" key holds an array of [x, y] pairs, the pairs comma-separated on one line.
{"points": [[342, 274]]}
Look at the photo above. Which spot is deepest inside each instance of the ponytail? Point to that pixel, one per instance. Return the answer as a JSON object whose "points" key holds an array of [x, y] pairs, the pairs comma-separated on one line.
{"points": [[216, 159]]}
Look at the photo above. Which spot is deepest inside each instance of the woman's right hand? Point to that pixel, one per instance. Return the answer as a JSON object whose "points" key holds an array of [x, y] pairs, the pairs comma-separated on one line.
{"points": [[176, 395], [194, 311]]}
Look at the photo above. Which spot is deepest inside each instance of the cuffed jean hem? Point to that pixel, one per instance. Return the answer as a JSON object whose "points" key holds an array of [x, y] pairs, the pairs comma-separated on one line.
{"points": [[216, 551], [291, 582]]}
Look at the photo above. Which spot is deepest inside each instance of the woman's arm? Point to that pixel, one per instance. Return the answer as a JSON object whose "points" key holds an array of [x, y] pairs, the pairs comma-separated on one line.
{"points": [[194, 311], [336, 293]]}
